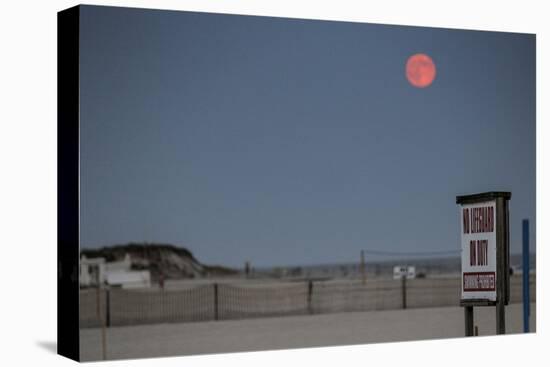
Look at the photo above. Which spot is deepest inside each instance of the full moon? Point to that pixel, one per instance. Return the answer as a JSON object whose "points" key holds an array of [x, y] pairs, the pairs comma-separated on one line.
{"points": [[420, 70]]}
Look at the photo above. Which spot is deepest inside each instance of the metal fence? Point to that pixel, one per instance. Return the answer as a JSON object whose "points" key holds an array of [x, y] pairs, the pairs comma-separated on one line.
{"points": [[210, 302]]}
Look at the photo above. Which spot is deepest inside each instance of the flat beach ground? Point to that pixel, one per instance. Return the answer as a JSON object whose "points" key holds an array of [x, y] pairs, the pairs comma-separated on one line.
{"points": [[160, 340]]}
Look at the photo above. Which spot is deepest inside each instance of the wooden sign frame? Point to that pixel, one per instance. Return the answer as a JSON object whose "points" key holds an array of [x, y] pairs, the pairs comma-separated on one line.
{"points": [[500, 198]]}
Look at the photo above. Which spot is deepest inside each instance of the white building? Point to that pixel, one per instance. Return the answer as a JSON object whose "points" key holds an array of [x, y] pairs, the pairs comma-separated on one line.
{"points": [[114, 273], [90, 269]]}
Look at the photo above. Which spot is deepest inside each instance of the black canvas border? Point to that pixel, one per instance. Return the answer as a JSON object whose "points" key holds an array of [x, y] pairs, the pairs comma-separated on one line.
{"points": [[68, 34]]}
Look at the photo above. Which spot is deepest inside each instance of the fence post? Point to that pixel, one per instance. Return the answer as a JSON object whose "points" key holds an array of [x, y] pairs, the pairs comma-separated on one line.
{"points": [[215, 301], [108, 307], [404, 290], [101, 320], [363, 271], [309, 296]]}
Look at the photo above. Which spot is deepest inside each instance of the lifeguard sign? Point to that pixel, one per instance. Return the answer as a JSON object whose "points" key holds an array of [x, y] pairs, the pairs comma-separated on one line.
{"points": [[479, 251], [485, 251]]}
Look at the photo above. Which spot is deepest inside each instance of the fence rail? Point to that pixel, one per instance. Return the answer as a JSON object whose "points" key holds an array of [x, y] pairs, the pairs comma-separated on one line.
{"points": [[239, 301]]}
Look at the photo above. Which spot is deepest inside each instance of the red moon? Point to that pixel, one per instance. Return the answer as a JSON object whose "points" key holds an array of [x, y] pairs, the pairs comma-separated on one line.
{"points": [[420, 70]]}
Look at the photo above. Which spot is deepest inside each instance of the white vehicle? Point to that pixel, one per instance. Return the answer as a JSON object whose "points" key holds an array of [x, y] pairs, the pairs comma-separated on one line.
{"points": [[404, 271]]}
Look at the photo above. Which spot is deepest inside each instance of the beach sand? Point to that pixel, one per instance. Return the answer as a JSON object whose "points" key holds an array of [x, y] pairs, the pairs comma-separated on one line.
{"points": [[210, 337]]}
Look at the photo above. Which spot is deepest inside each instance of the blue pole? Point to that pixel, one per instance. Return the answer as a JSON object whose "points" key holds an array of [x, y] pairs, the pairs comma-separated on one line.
{"points": [[525, 270]]}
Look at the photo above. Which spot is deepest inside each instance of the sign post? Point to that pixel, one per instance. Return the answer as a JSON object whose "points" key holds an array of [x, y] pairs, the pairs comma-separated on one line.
{"points": [[485, 255], [525, 275]]}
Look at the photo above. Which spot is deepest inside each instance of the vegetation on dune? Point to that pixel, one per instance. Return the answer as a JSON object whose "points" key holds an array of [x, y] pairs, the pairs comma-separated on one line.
{"points": [[166, 260]]}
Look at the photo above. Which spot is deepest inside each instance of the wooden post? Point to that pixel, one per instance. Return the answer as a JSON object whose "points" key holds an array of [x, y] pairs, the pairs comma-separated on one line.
{"points": [[501, 321], [216, 301], [404, 291], [309, 296], [502, 264], [107, 307], [100, 316], [363, 272], [469, 320]]}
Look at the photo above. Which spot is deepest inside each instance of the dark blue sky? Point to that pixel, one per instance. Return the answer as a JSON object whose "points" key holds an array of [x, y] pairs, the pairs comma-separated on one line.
{"points": [[285, 141]]}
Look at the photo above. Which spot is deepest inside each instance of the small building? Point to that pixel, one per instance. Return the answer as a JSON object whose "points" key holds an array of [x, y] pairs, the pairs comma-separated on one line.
{"points": [[113, 274], [91, 270], [129, 279]]}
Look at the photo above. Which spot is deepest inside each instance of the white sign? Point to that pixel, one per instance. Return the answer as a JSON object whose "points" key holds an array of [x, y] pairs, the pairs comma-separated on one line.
{"points": [[479, 251], [404, 271]]}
